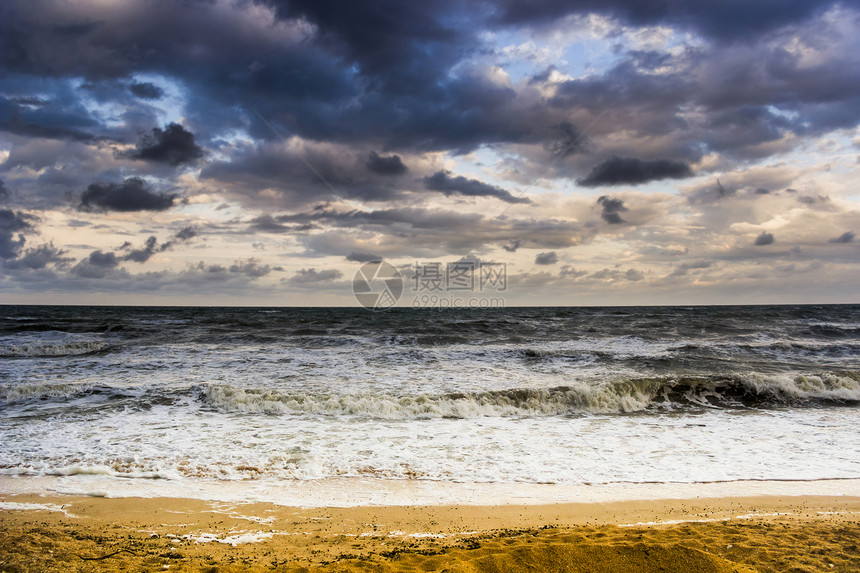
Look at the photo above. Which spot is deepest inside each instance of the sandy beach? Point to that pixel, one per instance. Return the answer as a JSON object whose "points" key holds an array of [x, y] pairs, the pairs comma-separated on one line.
{"points": [[741, 534]]}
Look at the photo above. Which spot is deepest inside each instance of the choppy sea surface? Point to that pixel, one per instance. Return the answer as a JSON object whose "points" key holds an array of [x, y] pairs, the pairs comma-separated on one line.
{"points": [[571, 396]]}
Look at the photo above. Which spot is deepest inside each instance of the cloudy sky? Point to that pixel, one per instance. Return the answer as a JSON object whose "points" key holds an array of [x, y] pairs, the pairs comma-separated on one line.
{"points": [[258, 151]]}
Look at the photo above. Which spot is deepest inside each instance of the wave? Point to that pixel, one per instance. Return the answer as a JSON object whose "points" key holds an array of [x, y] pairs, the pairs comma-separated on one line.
{"points": [[827, 330], [656, 394], [41, 350], [83, 394], [624, 396], [780, 348]]}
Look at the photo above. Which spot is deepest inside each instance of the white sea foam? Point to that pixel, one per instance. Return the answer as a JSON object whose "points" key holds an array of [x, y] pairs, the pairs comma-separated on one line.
{"points": [[231, 511], [49, 344], [824, 386], [351, 492], [150, 448], [235, 539], [20, 506], [674, 521]]}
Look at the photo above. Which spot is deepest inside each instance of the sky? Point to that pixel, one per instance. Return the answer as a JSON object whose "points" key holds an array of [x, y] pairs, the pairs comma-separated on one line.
{"points": [[258, 152]]}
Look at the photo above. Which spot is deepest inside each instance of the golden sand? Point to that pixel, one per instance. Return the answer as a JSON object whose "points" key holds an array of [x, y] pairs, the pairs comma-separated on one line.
{"points": [[705, 535]]}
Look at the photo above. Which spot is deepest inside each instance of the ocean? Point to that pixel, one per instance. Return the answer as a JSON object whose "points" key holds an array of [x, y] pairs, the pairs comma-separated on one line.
{"points": [[126, 401]]}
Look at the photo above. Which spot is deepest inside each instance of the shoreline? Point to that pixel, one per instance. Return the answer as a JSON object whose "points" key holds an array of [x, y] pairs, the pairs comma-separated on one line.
{"points": [[360, 492], [724, 534]]}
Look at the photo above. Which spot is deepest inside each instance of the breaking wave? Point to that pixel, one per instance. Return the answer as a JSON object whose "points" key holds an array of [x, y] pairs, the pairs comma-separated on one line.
{"points": [[50, 350], [624, 396]]}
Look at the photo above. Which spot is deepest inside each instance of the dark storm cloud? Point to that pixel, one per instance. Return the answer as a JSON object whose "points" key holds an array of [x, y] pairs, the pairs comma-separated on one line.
{"points": [[632, 275], [543, 76], [633, 171], [419, 232], [300, 175], [734, 120], [101, 259], [429, 232], [97, 265], [444, 182], [299, 72], [363, 257], [711, 192], [727, 20], [242, 271], [332, 80], [40, 257], [417, 218], [844, 238], [333, 71], [549, 258], [144, 253], [566, 139], [151, 247], [146, 90], [813, 199], [311, 276], [512, 246], [459, 112], [390, 165], [267, 224], [250, 268], [750, 98], [764, 239], [199, 277], [624, 87], [173, 145], [43, 171], [12, 222], [281, 69], [185, 234], [130, 195], [570, 272], [403, 44], [49, 132], [29, 101], [51, 120], [4, 193], [684, 268], [610, 209]]}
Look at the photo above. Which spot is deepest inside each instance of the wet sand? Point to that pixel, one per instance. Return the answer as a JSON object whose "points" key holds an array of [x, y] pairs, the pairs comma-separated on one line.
{"points": [[769, 533]]}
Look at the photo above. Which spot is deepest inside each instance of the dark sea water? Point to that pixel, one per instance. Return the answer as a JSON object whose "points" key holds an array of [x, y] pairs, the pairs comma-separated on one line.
{"points": [[525, 395]]}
